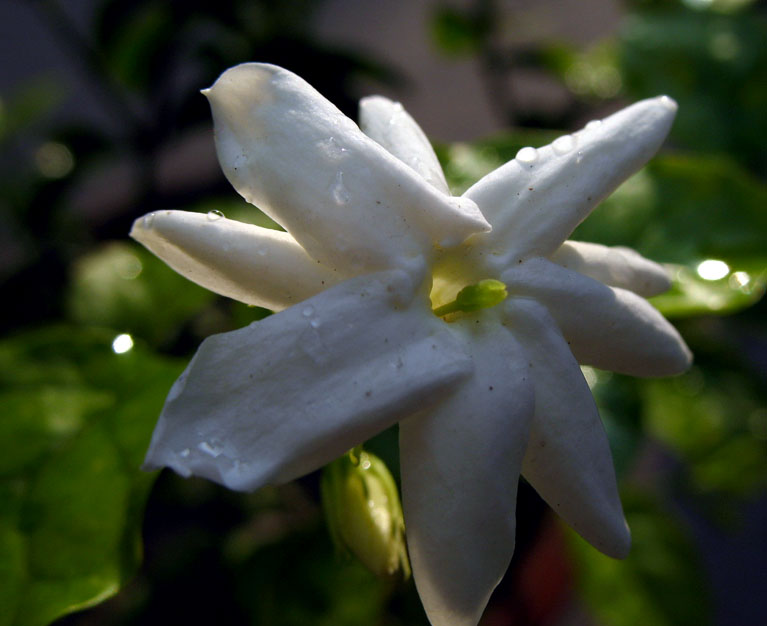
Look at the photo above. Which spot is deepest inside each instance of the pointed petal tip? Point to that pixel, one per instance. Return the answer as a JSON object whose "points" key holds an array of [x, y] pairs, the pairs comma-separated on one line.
{"points": [[612, 537], [377, 100], [239, 86], [685, 359], [668, 102], [646, 122], [140, 226], [618, 544]]}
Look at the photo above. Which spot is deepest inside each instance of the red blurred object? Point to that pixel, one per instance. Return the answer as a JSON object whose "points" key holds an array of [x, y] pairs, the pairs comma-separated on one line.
{"points": [[539, 589]]}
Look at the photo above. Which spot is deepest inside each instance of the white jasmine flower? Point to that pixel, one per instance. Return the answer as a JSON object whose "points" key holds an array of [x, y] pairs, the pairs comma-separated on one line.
{"points": [[374, 243]]}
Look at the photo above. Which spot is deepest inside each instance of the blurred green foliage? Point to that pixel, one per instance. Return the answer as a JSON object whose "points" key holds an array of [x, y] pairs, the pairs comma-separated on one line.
{"points": [[659, 583], [77, 415], [76, 423]]}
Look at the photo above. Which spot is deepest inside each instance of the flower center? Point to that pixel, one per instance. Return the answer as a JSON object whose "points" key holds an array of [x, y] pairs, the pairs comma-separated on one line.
{"points": [[482, 295]]}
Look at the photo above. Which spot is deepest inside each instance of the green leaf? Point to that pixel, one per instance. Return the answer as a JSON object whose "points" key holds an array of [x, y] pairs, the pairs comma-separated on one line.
{"points": [[75, 423], [691, 294], [660, 583], [687, 209]]}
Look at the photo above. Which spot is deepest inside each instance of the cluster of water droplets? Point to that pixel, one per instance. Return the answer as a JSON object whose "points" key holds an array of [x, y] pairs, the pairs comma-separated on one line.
{"points": [[561, 146]]}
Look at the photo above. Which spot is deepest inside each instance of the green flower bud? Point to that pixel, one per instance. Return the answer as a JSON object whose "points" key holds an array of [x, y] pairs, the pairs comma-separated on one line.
{"points": [[363, 512]]}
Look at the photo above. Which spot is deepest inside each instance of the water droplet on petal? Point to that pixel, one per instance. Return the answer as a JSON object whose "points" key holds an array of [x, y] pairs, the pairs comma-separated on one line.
{"points": [[331, 148], [593, 124], [579, 158], [148, 221], [315, 323], [669, 103], [397, 110], [185, 452], [340, 192], [308, 311], [215, 215], [563, 144], [527, 155], [211, 448]]}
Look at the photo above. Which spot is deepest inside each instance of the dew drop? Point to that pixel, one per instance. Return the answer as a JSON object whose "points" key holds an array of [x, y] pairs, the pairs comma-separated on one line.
{"points": [[210, 448], [397, 111], [308, 311], [340, 192], [527, 155], [563, 144], [579, 158], [215, 215], [669, 103], [148, 221], [593, 124], [331, 148], [315, 323], [185, 452]]}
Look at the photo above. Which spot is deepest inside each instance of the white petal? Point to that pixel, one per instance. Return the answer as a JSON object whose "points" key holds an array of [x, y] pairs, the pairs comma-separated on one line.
{"points": [[251, 264], [535, 202], [606, 327], [460, 464], [391, 126], [285, 395], [615, 266], [346, 200], [568, 458]]}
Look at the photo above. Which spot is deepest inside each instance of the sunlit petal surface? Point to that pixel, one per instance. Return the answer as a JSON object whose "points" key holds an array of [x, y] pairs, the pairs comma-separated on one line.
{"points": [[391, 126], [349, 203], [536, 200], [255, 265]]}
